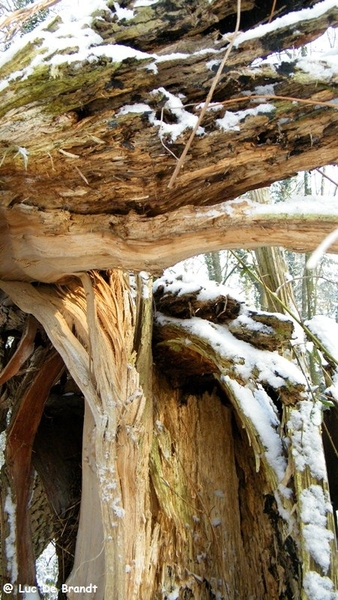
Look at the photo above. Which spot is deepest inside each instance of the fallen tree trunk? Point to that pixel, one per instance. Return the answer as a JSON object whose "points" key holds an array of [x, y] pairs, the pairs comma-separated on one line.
{"points": [[87, 138]]}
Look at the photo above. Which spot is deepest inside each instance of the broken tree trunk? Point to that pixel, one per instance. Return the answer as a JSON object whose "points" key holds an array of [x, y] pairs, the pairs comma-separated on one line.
{"points": [[188, 479], [111, 347]]}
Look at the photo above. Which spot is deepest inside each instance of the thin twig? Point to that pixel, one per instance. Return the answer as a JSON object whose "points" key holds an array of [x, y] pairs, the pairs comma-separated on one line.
{"points": [[275, 97], [301, 277], [272, 11], [262, 96], [81, 174], [327, 177], [208, 100]]}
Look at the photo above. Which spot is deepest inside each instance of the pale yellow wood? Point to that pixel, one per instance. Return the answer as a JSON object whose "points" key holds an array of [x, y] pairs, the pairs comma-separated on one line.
{"points": [[50, 245]]}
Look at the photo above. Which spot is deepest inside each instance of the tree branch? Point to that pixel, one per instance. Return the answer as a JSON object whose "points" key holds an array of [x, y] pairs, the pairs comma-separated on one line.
{"points": [[49, 245]]}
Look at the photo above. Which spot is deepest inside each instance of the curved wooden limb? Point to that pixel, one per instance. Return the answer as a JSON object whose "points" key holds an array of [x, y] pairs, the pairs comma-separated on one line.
{"points": [[18, 454]]}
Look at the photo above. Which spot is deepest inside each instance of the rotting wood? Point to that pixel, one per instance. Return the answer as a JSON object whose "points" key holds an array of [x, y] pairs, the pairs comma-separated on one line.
{"points": [[67, 149], [224, 309]]}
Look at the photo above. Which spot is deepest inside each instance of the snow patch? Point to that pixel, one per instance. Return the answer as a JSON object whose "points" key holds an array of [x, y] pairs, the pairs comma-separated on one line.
{"points": [[258, 407], [10, 540], [261, 90], [185, 119], [231, 120], [326, 330], [184, 284], [174, 594], [280, 493], [3, 437], [324, 67], [318, 587], [74, 41], [172, 56], [289, 20], [139, 108], [297, 205], [212, 63], [139, 3], [314, 507], [307, 448], [119, 511], [246, 320], [123, 13]]}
